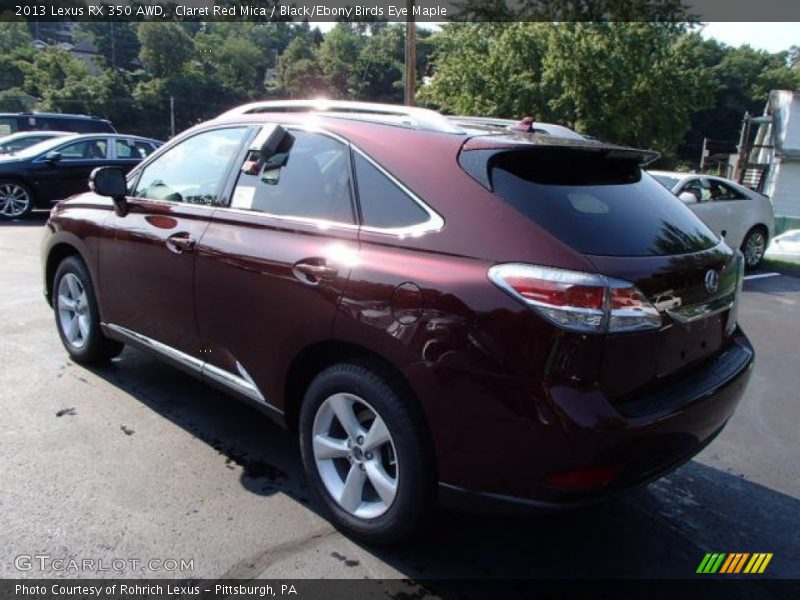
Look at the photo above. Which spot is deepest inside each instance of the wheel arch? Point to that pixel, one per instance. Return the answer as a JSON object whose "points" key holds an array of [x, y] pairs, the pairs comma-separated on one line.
{"points": [[314, 358], [55, 255]]}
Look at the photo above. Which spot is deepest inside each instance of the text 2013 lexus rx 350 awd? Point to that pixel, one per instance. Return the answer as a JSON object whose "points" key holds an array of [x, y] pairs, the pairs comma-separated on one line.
{"points": [[456, 305]]}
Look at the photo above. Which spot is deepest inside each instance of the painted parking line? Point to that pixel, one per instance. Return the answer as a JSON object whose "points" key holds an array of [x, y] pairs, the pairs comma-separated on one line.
{"points": [[761, 276]]}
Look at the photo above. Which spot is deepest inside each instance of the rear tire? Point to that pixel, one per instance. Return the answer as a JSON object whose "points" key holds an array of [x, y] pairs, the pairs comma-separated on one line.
{"points": [[16, 199], [376, 483], [754, 246], [77, 316]]}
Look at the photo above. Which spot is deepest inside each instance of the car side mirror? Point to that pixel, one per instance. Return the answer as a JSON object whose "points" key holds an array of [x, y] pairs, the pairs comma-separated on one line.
{"points": [[111, 182], [688, 198], [53, 157]]}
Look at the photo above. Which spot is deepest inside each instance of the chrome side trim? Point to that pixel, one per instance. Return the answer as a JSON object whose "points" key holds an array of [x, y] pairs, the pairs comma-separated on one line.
{"points": [[687, 314], [237, 384], [244, 386], [193, 364]]}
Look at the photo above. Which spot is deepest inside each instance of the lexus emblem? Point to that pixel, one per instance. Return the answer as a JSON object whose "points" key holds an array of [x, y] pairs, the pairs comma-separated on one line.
{"points": [[712, 281]]}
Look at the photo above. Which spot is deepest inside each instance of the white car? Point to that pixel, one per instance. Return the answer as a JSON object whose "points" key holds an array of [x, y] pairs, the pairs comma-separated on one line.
{"points": [[786, 246], [740, 215]]}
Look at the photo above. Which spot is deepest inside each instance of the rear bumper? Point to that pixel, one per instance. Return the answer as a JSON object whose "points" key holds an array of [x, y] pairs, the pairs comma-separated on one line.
{"points": [[513, 436]]}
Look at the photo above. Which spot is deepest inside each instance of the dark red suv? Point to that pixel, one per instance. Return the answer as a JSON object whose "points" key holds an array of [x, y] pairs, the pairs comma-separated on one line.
{"points": [[458, 305]]}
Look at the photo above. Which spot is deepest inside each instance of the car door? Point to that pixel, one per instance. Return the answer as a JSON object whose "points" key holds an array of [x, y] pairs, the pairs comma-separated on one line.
{"points": [[703, 207], [271, 267], [68, 174], [732, 211], [147, 257]]}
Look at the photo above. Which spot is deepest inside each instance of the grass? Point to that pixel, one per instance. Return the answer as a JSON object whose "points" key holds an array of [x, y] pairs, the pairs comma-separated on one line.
{"points": [[774, 263]]}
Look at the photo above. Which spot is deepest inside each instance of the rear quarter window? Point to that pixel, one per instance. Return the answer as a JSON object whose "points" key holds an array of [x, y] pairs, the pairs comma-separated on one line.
{"points": [[594, 204], [383, 204]]}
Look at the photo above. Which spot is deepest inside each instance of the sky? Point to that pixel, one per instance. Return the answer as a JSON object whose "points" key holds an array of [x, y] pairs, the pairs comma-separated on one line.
{"points": [[772, 37]]}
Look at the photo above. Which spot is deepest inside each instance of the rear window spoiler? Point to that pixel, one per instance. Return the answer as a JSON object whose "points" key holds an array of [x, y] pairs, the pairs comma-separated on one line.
{"points": [[523, 141], [476, 152]]}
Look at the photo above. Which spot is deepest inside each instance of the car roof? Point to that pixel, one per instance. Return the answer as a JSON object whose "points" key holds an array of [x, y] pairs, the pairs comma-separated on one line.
{"points": [[392, 130], [20, 134], [52, 115]]}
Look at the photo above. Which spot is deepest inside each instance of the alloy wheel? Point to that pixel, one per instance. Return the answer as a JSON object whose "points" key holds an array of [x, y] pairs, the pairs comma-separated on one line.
{"points": [[355, 455], [14, 200], [754, 248], [74, 316]]}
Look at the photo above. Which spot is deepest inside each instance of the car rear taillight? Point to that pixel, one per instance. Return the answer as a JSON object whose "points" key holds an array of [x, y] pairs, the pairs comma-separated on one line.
{"points": [[583, 302]]}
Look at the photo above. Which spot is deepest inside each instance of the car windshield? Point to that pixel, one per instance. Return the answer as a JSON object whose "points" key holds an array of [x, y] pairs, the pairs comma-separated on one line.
{"points": [[665, 180]]}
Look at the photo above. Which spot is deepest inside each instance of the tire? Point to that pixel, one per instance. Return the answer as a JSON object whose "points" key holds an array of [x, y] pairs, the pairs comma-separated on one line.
{"points": [[754, 246], [369, 393], [16, 199], [77, 316]]}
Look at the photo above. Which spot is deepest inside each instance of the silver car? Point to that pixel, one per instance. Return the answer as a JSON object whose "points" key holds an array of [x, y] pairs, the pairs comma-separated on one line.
{"points": [[740, 215]]}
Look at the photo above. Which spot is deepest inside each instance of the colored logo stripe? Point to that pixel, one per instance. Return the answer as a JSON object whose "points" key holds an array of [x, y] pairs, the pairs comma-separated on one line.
{"points": [[734, 562], [758, 563]]}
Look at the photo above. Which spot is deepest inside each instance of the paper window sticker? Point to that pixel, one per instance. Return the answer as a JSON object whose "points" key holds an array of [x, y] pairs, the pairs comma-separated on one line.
{"points": [[243, 196]]}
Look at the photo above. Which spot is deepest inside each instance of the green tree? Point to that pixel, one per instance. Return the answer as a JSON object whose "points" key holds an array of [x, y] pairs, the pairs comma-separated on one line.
{"points": [[299, 72], [117, 42], [165, 47], [338, 58], [13, 35]]}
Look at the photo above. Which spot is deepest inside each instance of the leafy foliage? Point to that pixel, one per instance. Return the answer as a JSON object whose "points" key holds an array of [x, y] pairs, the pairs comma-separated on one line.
{"points": [[639, 74]]}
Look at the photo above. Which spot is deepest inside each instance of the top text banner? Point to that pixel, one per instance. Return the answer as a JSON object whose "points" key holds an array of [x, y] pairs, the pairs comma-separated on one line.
{"points": [[401, 10]]}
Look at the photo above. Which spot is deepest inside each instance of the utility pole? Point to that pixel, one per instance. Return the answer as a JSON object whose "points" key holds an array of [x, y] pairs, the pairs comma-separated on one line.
{"points": [[172, 116], [703, 154], [411, 54]]}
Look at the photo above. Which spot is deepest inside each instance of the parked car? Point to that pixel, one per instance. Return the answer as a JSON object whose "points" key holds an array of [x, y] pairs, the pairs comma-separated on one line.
{"points": [[10, 144], [431, 304], [740, 215], [36, 121], [54, 169], [785, 246]]}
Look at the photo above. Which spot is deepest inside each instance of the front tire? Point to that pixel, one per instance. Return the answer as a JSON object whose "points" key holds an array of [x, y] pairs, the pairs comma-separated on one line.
{"points": [[16, 200], [366, 453], [754, 246], [77, 316]]}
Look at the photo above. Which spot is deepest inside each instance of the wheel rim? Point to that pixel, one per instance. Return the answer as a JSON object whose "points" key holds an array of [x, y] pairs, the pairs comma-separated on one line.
{"points": [[754, 248], [74, 316], [14, 199], [355, 456]]}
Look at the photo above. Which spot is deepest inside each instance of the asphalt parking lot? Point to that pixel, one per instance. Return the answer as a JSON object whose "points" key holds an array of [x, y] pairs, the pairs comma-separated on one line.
{"points": [[138, 461]]}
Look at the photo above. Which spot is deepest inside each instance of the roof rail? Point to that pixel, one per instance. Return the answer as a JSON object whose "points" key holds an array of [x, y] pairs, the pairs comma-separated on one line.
{"points": [[421, 118]]}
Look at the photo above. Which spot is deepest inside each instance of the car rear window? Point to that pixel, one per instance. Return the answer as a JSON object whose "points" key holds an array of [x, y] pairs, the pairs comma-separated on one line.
{"points": [[595, 203], [666, 181]]}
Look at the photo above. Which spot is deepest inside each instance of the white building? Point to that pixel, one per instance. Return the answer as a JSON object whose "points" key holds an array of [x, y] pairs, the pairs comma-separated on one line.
{"points": [[776, 145]]}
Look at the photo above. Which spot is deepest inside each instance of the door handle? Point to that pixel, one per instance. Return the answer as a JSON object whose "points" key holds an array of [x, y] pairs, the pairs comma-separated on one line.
{"points": [[180, 242], [313, 273]]}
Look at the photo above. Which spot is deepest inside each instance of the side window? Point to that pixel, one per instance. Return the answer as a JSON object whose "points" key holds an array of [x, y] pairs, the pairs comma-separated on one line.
{"points": [[193, 171], [7, 125], [310, 180], [384, 204], [722, 191], [698, 188], [133, 149], [84, 150]]}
